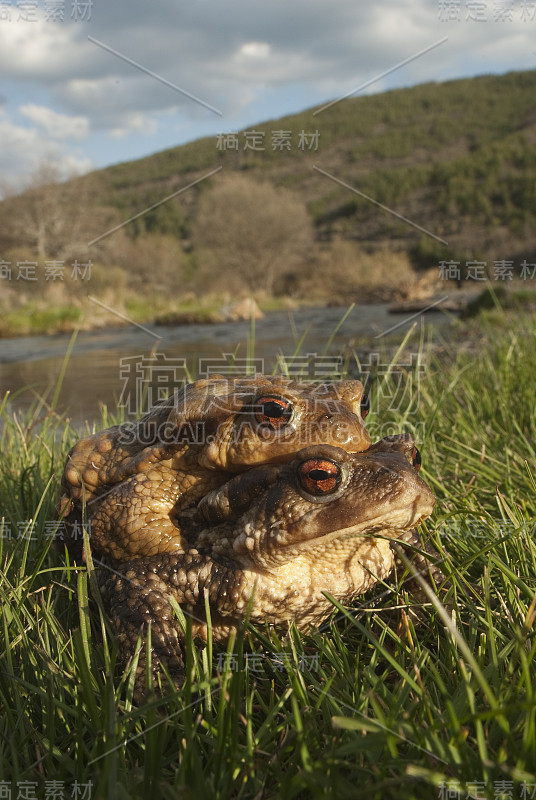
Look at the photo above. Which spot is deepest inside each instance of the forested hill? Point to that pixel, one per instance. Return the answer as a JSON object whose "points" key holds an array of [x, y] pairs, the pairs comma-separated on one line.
{"points": [[457, 159]]}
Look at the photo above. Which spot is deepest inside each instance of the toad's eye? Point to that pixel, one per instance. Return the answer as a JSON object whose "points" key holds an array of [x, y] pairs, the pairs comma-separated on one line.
{"points": [[319, 476], [272, 411], [365, 405], [416, 459]]}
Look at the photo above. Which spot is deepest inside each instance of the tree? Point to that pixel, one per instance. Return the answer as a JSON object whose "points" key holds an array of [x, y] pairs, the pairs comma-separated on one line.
{"points": [[50, 217], [247, 233]]}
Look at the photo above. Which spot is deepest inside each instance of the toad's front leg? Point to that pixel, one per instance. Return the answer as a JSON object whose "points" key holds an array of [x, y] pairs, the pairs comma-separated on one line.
{"points": [[139, 593]]}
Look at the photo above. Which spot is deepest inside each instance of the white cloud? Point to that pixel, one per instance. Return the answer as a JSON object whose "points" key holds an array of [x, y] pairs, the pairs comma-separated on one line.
{"points": [[37, 51], [25, 149], [69, 164], [255, 49], [135, 122], [250, 59], [57, 126]]}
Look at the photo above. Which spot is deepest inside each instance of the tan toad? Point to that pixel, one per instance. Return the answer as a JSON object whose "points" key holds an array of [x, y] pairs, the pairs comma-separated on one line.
{"points": [[132, 482], [273, 540]]}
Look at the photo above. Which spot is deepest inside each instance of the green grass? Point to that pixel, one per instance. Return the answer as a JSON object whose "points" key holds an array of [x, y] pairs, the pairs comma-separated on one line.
{"points": [[30, 319], [403, 702]]}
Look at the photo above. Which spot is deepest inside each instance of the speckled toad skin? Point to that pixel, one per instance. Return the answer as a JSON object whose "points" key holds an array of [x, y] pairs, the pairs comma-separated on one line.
{"points": [[275, 537], [132, 482]]}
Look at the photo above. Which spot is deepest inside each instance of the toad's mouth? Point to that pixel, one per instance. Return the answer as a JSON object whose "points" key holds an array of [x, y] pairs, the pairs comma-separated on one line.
{"points": [[390, 531]]}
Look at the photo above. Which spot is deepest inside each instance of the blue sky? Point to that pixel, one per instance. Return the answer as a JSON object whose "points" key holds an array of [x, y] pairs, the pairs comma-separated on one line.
{"points": [[68, 93]]}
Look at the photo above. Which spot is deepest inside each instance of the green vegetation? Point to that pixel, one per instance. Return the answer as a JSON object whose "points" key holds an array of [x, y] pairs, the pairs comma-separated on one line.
{"points": [[30, 319], [458, 156], [458, 159], [403, 703], [497, 296]]}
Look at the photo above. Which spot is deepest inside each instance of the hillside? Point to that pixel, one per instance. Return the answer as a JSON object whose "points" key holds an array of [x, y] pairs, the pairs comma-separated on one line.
{"points": [[458, 159]]}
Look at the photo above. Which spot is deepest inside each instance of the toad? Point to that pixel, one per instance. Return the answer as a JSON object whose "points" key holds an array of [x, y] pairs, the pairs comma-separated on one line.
{"points": [[268, 543], [132, 482]]}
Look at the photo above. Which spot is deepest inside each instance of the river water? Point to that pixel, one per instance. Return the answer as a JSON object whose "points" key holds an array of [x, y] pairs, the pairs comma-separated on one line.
{"points": [[112, 365]]}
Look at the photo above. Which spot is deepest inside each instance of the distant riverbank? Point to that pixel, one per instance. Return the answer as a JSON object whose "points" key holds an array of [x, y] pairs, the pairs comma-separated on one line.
{"points": [[100, 361]]}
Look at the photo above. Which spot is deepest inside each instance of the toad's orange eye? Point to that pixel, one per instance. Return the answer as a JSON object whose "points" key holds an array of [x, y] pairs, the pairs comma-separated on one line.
{"points": [[272, 411], [365, 405], [319, 476], [416, 459]]}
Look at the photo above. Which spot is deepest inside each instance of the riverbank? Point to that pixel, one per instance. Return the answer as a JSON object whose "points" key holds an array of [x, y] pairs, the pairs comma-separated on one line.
{"points": [[101, 361], [56, 310], [40, 317]]}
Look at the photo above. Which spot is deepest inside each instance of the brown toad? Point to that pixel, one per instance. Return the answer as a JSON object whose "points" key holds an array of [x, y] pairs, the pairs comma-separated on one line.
{"points": [[132, 482], [271, 541]]}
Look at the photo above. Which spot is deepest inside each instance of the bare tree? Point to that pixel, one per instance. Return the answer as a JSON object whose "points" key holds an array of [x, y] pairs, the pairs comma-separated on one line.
{"points": [[249, 233], [50, 217]]}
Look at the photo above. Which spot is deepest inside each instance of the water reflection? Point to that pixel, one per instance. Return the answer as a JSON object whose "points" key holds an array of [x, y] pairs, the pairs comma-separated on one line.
{"points": [[30, 367]]}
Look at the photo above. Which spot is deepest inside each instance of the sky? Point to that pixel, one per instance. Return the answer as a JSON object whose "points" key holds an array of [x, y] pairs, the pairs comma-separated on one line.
{"points": [[89, 84]]}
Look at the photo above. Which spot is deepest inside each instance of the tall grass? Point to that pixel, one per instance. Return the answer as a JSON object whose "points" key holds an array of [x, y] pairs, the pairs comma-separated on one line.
{"points": [[388, 699]]}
